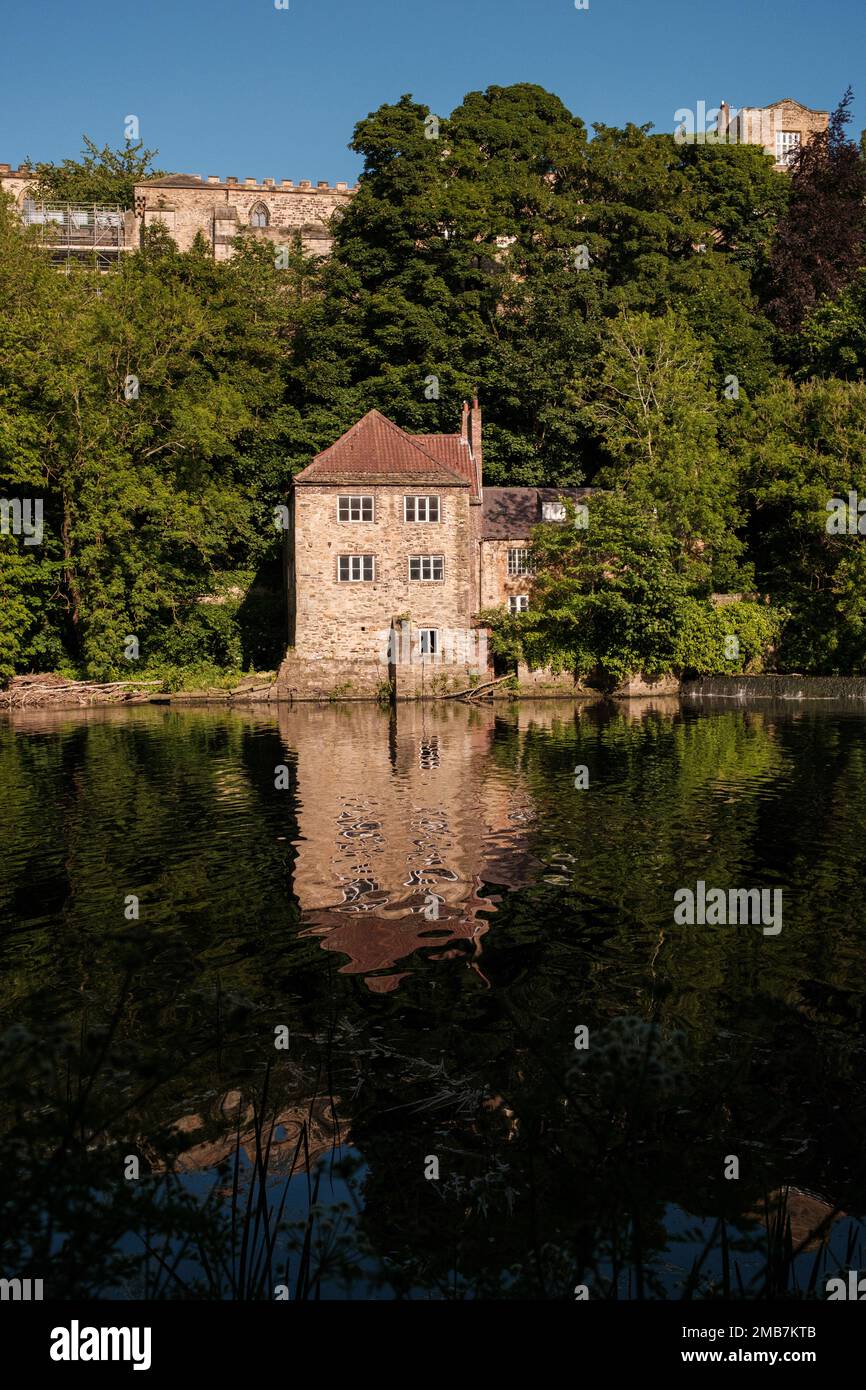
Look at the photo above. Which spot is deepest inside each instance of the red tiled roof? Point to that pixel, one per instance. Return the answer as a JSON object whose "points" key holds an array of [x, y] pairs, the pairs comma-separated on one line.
{"points": [[375, 446], [451, 450]]}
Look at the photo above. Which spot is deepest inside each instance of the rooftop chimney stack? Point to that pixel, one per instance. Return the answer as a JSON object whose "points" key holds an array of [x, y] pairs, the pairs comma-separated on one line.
{"points": [[724, 119], [475, 439]]}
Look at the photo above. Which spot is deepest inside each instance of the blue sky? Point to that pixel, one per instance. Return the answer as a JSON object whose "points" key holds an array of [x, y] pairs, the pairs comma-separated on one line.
{"points": [[237, 87]]}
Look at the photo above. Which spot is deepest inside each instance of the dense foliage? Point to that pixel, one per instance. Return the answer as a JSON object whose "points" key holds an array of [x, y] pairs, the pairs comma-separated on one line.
{"points": [[634, 313], [103, 176], [609, 601]]}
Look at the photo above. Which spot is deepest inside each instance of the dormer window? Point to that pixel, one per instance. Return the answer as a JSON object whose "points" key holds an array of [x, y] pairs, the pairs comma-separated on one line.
{"points": [[553, 511], [260, 217]]}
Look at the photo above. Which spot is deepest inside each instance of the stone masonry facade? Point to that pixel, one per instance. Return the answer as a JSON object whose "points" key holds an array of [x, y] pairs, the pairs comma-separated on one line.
{"points": [[351, 619], [186, 205], [394, 546], [780, 128], [219, 209]]}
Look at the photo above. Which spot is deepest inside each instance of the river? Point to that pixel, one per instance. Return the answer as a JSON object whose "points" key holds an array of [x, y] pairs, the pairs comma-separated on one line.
{"points": [[431, 955]]}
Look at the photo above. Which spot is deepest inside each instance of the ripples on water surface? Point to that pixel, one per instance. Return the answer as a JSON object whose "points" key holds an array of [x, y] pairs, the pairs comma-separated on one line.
{"points": [[431, 908]]}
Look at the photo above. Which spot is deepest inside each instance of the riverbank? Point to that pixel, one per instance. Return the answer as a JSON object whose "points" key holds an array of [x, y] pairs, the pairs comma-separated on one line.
{"points": [[53, 691], [56, 692]]}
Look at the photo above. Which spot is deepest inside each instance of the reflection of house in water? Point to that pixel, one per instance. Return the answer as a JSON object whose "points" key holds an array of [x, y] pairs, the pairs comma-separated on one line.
{"points": [[395, 842], [811, 1216], [290, 1147]]}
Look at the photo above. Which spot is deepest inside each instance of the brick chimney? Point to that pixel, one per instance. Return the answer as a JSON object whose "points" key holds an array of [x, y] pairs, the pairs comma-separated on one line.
{"points": [[475, 440]]}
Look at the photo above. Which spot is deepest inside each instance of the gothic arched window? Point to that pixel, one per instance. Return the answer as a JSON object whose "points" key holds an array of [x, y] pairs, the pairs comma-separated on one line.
{"points": [[259, 217]]}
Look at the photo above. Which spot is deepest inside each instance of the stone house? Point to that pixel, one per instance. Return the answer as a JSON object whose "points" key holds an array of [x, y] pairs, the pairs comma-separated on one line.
{"points": [[780, 128], [393, 546]]}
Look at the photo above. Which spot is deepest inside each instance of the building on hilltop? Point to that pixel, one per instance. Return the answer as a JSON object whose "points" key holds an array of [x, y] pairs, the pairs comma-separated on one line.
{"points": [[186, 205], [781, 128], [393, 547]]}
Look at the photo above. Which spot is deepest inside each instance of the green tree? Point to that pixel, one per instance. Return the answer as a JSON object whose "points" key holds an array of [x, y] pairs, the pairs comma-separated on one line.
{"points": [[608, 602], [820, 244], [735, 190], [151, 414], [29, 574], [686, 228], [656, 410], [103, 176], [803, 446], [833, 338], [456, 262]]}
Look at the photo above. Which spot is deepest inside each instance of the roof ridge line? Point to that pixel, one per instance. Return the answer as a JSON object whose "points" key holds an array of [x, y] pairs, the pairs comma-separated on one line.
{"points": [[413, 440]]}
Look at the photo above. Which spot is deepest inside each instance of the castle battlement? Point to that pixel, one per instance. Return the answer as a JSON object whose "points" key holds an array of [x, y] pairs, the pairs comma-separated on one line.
{"points": [[217, 208], [25, 171], [201, 181], [188, 205]]}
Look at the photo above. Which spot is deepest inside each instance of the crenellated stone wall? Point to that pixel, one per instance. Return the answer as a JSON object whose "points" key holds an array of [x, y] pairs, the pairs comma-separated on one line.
{"points": [[218, 209], [187, 205]]}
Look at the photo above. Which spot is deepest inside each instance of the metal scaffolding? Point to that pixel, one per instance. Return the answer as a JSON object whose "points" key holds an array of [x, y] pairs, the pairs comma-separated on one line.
{"points": [[76, 233]]}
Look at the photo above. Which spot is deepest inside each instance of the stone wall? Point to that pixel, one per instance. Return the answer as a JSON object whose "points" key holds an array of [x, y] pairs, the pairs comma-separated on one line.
{"points": [[546, 684], [640, 686], [759, 125], [219, 210], [304, 678], [346, 621], [496, 583]]}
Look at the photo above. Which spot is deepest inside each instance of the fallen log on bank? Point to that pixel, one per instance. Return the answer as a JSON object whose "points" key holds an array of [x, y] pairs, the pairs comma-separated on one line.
{"points": [[473, 691], [28, 691]]}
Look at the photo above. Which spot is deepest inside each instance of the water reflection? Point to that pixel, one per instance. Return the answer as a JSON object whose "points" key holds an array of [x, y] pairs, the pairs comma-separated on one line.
{"points": [[430, 909], [400, 822]]}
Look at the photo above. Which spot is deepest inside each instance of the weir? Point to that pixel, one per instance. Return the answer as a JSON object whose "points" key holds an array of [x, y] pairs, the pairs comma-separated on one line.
{"points": [[745, 688]]}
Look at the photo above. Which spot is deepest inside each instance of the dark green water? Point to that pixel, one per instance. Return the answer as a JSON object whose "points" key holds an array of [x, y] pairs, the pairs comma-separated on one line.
{"points": [[431, 907]]}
